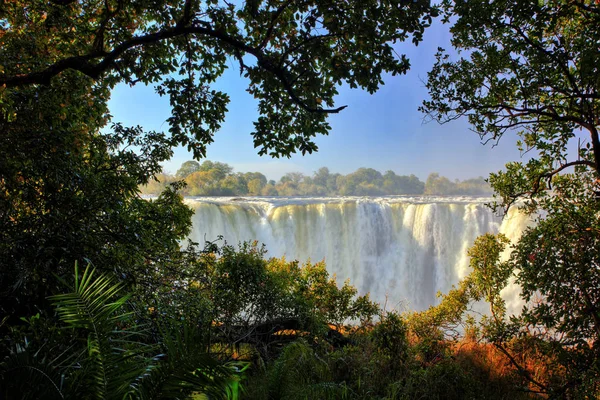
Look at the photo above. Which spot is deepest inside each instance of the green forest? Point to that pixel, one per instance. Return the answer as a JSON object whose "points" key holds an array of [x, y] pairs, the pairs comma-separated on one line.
{"points": [[102, 296], [218, 179]]}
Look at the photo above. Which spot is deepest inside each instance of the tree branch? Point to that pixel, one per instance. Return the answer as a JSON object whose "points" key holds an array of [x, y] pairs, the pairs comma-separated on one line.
{"points": [[546, 175], [187, 14], [85, 64], [525, 373], [552, 56], [267, 332], [550, 174], [99, 39], [276, 15]]}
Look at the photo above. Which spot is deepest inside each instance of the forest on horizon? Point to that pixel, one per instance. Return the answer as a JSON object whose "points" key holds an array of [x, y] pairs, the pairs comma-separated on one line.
{"points": [[219, 179]]}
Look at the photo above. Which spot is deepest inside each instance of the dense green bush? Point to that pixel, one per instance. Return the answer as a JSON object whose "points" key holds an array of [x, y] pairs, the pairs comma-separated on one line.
{"points": [[108, 355]]}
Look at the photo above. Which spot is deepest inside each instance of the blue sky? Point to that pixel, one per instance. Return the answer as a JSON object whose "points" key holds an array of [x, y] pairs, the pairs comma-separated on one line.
{"points": [[382, 131]]}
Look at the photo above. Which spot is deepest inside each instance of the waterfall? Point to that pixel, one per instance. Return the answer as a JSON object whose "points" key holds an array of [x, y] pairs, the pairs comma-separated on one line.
{"points": [[401, 250]]}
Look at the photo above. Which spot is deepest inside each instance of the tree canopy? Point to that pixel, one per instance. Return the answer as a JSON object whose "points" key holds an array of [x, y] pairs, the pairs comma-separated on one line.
{"points": [[69, 179], [69, 174], [529, 67], [532, 68], [218, 179], [293, 54]]}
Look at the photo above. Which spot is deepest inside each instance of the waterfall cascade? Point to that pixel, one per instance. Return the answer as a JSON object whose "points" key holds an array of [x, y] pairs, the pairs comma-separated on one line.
{"points": [[402, 250]]}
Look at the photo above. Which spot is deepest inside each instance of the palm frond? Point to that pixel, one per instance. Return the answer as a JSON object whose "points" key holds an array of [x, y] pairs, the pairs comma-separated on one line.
{"points": [[91, 308], [24, 375], [184, 368], [115, 366]]}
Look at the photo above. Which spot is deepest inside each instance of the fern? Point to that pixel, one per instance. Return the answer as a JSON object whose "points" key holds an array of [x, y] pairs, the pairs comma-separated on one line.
{"points": [[116, 366], [26, 376], [108, 369], [185, 367]]}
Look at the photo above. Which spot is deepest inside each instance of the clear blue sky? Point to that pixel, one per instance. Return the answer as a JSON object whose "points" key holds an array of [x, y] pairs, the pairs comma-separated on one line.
{"points": [[382, 131]]}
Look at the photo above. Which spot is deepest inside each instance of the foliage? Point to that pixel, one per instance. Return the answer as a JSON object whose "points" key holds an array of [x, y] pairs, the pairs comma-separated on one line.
{"points": [[544, 337], [108, 359], [485, 282], [370, 362], [390, 335], [298, 373], [89, 309], [69, 193], [436, 184], [402, 184], [27, 375], [444, 380], [218, 179], [362, 371], [557, 263], [251, 298], [187, 168], [532, 69], [293, 55]]}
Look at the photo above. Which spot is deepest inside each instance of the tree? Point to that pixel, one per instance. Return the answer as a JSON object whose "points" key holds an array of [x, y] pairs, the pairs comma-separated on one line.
{"points": [[294, 56], [287, 188], [68, 192], [370, 179], [205, 183], [293, 177], [394, 184], [325, 181], [533, 68], [221, 170], [321, 176], [158, 184], [255, 187], [475, 187], [269, 190], [187, 168], [436, 184], [249, 176], [558, 266], [253, 298], [530, 68], [234, 184]]}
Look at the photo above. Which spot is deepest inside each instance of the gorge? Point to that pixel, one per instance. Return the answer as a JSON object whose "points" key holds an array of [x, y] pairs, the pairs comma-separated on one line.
{"points": [[400, 249]]}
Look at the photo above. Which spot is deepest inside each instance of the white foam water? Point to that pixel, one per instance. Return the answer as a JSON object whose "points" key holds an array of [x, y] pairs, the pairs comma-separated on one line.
{"points": [[402, 250]]}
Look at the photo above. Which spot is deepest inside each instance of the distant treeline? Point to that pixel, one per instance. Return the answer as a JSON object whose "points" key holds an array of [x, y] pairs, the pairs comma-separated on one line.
{"points": [[218, 179]]}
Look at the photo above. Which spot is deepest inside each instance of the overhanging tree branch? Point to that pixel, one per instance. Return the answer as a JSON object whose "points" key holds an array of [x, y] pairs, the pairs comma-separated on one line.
{"points": [[550, 174], [276, 15], [536, 186], [107, 60], [85, 65]]}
